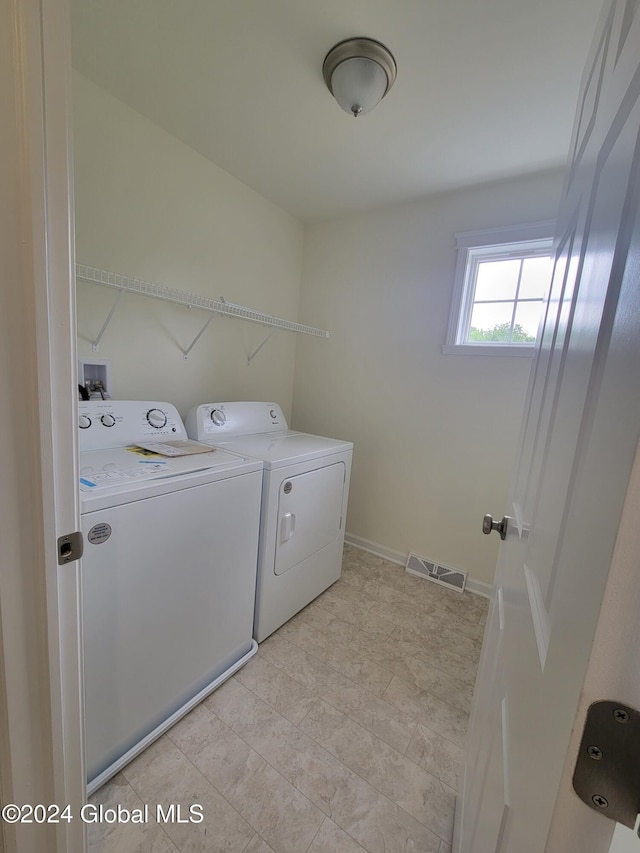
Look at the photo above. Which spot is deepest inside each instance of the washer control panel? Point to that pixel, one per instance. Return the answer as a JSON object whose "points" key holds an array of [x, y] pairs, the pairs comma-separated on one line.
{"points": [[118, 423], [223, 420]]}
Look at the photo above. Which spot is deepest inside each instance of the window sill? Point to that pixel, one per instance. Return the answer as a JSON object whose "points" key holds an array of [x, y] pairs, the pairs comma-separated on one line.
{"points": [[484, 349]]}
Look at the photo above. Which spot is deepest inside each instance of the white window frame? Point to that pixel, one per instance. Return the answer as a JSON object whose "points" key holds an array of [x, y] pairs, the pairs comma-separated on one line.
{"points": [[473, 247]]}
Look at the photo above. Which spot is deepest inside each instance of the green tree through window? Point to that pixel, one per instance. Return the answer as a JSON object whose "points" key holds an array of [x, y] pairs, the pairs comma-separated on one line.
{"points": [[501, 333]]}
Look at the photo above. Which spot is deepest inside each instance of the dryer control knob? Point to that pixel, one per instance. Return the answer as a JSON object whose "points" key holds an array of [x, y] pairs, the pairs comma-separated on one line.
{"points": [[108, 420], [84, 421], [156, 418], [218, 417]]}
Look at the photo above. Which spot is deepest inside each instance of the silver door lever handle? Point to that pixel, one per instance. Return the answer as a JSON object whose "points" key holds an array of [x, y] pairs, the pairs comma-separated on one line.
{"points": [[488, 524]]}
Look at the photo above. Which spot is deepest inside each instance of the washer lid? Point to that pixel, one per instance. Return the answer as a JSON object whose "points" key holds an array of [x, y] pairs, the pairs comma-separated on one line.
{"points": [[122, 467], [285, 448]]}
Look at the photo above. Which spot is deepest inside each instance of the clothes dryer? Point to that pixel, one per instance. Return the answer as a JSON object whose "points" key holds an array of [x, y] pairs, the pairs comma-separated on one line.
{"points": [[305, 489], [168, 575]]}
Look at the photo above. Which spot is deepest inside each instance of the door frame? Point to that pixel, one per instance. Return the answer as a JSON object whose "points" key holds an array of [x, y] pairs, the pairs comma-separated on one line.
{"points": [[41, 721]]}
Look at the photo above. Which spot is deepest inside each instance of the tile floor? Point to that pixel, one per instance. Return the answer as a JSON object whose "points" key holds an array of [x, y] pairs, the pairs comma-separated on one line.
{"points": [[343, 734]]}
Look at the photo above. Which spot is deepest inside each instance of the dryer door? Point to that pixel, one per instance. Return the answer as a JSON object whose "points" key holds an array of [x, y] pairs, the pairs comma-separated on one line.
{"points": [[309, 514]]}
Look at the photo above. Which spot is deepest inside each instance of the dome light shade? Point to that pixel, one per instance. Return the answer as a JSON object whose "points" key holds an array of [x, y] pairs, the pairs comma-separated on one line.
{"points": [[359, 72]]}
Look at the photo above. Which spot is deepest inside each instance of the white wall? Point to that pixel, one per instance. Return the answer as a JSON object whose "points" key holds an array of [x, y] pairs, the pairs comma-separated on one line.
{"points": [[150, 207], [435, 435]]}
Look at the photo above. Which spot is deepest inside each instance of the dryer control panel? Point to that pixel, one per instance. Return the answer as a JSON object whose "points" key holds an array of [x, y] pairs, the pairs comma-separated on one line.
{"points": [[118, 423], [223, 420]]}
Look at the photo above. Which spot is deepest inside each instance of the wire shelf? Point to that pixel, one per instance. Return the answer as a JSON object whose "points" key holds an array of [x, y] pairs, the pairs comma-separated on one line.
{"points": [[191, 300]]}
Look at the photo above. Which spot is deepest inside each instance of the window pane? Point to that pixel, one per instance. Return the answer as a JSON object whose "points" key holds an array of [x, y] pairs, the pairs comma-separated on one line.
{"points": [[497, 279], [491, 322], [526, 322], [536, 275]]}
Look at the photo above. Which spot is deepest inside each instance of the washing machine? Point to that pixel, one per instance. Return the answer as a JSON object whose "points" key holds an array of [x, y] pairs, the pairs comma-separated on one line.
{"points": [[168, 574], [305, 487]]}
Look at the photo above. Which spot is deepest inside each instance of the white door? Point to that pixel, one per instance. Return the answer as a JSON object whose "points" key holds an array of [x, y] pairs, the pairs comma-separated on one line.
{"points": [[624, 840], [579, 437]]}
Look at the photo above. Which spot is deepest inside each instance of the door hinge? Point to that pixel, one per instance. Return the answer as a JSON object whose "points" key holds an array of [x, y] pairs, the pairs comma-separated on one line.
{"points": [[70, 548], [606, 777]]}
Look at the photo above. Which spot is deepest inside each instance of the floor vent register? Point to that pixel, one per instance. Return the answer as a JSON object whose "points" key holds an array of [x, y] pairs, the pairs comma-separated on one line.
{"points": [[443, 575]]}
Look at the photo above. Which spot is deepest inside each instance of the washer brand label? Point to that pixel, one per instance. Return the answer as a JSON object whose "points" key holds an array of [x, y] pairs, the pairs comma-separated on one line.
{"points": [[99, 533]]}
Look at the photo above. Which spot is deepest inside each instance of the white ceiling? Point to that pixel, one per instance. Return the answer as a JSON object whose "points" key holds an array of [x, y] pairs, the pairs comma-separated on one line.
{"points": [[486, 89]]}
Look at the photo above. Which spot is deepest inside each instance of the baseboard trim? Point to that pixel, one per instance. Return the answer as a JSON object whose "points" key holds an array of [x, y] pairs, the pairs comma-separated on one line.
{"points": [[375, 548], [473, 586], [479, 588]]}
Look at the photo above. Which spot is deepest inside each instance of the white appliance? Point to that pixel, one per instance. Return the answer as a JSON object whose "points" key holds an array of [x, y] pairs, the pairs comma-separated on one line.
{"points": [[304, 502], [168, 576]]}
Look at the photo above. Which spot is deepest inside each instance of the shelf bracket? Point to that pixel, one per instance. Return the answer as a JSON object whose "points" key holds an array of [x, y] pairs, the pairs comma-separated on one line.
{"points": [[185, 353], [256, 351], [96, 344]]}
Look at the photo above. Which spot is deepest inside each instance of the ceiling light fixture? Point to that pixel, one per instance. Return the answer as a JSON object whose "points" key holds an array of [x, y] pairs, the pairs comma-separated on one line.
{"points": [[359, 72]]}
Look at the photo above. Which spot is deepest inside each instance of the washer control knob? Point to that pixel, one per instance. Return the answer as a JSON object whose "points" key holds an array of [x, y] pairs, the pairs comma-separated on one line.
{"points": [[108, 420], [273, 414], [84, 421], [218, 417], [156, 418]]}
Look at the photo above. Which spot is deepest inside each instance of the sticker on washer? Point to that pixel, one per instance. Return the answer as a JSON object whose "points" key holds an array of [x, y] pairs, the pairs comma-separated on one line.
{"points": [[99, 533]]}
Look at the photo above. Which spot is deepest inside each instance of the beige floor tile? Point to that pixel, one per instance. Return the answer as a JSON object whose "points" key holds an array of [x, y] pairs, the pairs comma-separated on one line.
{"points": [[272, 642], [412, 788], [339, 656], [431, 622], [445, 848], [381, 717], [353, 613], [401, 617], [258, 845], [461, 624], [302, 667], [218, 753], [382, 827], [376, 714], [162, 774], [284, 818], [314, 616], [427, 678], [378, 589], [331, 626], [280, 813], [438, 654], [424, 707], [292, 752], [351, 593], [444, 658], [353, 804], [437, 754], [124, 836], [287, 696], [332, 839], [463, 645], [402, 644]]}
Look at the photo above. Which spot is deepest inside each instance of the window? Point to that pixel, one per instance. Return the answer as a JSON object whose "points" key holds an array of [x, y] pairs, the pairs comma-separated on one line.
{"points": [[502, 276]]}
